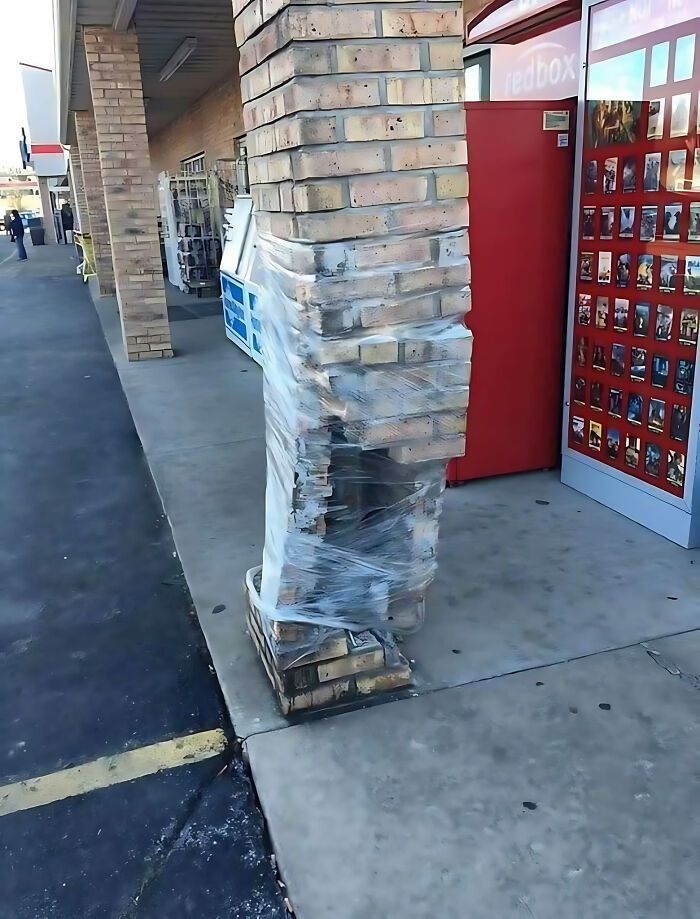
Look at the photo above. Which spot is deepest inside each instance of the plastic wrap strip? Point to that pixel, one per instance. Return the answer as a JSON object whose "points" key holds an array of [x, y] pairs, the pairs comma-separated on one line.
{"points": [[366, 387]]}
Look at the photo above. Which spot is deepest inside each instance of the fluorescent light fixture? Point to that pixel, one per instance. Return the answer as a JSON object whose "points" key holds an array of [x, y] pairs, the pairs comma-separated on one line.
{"points": [[177, 59]]}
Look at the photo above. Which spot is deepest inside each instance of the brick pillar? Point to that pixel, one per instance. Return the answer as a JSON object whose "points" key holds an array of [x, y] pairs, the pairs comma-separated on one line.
{"points": [[356, 139], [117, 97], [95, 199], [81, 221], [47, 211]]}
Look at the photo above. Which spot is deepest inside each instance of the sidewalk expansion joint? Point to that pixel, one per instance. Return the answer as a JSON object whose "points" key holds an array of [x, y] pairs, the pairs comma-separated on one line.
{"points": [[415, 692]]}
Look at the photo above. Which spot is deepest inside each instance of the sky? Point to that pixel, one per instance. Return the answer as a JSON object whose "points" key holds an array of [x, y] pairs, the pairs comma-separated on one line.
{"points": [[28, 37]]}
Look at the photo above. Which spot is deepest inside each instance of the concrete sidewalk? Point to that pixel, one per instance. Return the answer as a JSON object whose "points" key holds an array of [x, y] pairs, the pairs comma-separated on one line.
{"points": [[491, 789]]}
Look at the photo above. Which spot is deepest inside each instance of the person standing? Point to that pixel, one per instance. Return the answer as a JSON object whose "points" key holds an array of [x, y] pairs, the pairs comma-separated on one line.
{"points": [[17, 235], [67, 222]]}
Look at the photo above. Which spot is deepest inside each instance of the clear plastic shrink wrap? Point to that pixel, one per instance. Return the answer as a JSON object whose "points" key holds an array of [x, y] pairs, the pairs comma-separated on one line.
{"points": [[367, 363]]}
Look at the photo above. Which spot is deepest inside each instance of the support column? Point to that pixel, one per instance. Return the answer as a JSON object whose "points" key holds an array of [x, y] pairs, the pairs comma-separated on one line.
{"points": [[81, 221], [117, 95], [47, 211], [357, 159], [95, 200]]}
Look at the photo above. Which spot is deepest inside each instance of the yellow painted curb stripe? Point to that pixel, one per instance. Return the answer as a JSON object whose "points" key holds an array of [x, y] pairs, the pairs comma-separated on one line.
{"points": [[110, 770]]}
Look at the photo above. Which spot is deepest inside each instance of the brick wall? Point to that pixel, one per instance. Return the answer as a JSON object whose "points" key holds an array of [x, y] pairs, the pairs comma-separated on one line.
{"points": [[117, 95], [94, 193], [209, 125]]}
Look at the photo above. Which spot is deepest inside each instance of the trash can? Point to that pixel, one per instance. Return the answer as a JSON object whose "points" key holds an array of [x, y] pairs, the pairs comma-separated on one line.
{"points": [[36, 231]]}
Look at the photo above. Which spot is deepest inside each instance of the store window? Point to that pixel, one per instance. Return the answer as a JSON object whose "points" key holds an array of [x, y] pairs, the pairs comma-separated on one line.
{"points": [[476, 76], [194, 165]]}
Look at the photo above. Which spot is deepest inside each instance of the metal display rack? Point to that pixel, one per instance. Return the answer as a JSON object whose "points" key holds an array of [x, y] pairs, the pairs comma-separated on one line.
{"points": [[198, 244]]}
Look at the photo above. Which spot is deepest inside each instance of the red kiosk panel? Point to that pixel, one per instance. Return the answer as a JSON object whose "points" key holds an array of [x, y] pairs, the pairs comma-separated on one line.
{"points": [[520, 184]]}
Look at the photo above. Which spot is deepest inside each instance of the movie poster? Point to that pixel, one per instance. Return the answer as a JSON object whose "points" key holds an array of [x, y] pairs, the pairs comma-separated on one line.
{"points": [[675, 468], [672, 221], [688, 332], [584, 309], [652, 459], [675, 171], [680, 115], [622, 308], [647, 226], [607, 221], [626, 222], [652, 169], [601, 313], [655, 126], [632, 448], [664, 323], [612, 122], [667, 272], [657, 415], [680, 422], [694, 223], [691, 280]]}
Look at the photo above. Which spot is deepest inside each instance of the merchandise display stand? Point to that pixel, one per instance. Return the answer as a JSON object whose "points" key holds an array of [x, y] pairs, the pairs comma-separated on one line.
{"points": [[198, 246], [631, 416], [239, 271]]}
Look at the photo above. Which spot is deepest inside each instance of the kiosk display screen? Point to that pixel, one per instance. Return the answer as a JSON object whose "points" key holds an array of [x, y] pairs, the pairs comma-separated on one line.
{"points": [[637, 307]]}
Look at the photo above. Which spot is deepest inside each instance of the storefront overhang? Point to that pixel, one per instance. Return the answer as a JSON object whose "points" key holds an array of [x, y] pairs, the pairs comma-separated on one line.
{"points": [[511, 21], [162, 27]]}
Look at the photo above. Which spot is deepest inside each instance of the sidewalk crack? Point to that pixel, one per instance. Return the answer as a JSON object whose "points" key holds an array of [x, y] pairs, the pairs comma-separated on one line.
{"points": [[670, 667]]}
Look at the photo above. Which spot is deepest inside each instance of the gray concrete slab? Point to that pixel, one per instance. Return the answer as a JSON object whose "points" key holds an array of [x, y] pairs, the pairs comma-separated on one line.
{"points": [[417, 809], [522, 583], [530, 572], [200, 419], [211, 394], [214, 497]]}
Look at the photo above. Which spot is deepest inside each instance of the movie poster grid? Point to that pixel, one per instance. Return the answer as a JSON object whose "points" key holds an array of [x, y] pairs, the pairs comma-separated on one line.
{"points": [[633, 309]]}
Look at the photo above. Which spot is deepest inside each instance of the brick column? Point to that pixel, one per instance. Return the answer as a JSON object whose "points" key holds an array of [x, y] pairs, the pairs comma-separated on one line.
{"points": [[358, 172], [95, 199], [117, 96], [47, 211], [81, 221]]}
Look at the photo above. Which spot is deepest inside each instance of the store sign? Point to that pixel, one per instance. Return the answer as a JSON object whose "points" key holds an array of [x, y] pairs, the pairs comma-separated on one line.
{"points": [[545, 67], [629, 19], [508, 14]]}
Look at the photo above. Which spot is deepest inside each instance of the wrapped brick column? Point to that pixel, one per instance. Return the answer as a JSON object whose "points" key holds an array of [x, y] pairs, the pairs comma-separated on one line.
{"points": [[117, 97], [356, 140], [95, 198], [81, 221]]}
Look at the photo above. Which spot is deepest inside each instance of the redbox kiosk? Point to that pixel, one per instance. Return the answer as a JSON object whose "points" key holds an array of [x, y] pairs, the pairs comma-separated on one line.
{"points": [[630, 425], [619, 339]]}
